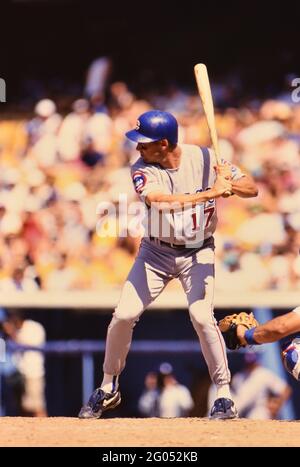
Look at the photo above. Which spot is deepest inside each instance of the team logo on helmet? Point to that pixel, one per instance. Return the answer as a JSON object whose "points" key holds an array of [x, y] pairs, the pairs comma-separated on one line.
{"points": [[138, 124], [139, 180]]}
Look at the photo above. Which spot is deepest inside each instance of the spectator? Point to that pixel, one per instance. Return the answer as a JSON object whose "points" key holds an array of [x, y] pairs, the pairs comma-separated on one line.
{"points": [[12, 381], [164, 396], [259, 392], [30, 364], [19, 281], [97, 76], [70, 137], [42, 133], [148, 402]]}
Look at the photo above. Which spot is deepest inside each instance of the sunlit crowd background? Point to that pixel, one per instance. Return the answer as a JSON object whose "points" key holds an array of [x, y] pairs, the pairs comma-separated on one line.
{"points": [[61, 156]]}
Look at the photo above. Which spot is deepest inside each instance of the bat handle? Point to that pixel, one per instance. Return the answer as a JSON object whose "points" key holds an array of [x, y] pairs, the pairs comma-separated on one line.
{"points": [[227, 193]]}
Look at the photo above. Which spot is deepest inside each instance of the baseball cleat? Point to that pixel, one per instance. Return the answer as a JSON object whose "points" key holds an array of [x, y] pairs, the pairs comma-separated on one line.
{"points": [[223, 409], [99, 402]]}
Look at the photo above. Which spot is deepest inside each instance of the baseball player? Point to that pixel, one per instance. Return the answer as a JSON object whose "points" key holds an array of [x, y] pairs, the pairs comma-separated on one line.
{"points": [[272, 330], [179, 185]]}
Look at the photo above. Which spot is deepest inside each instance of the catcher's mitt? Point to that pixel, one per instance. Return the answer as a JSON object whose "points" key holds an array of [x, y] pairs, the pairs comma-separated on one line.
{"points": [[229, 324]]}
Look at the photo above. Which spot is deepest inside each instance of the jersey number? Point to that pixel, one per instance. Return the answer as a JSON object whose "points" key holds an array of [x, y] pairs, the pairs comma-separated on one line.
{"points": [[209, 212]]}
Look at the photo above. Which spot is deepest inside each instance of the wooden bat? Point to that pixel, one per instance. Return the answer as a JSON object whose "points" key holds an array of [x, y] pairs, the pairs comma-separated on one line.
{"points": [[203, 84]]}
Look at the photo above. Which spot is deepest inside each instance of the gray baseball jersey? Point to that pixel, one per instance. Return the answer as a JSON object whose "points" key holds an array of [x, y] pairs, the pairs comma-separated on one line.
{"points": [[190, 224], [162, 258]]}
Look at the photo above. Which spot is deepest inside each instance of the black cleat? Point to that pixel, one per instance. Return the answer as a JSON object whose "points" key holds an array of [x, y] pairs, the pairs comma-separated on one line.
{"points": [[223, 409], [99, 402]]}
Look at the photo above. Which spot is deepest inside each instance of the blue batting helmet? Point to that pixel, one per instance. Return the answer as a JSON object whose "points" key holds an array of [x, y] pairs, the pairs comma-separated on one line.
{"points": [[155, 125]]}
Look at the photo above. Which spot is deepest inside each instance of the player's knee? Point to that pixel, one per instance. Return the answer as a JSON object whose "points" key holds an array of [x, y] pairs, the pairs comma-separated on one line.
{"points": [[125, 314], [202, 316], [202, 321]]}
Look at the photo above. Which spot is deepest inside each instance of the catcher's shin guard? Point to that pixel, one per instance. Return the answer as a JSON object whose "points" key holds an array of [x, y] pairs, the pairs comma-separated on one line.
{"points": [[99, 402]]}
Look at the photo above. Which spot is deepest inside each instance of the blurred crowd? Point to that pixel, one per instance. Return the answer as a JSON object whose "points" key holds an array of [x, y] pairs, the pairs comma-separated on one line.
{"points": [[61, 161]]}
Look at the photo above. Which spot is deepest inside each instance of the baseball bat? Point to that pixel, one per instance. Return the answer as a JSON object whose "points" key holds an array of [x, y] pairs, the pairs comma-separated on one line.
{"points": [[204, 89]]}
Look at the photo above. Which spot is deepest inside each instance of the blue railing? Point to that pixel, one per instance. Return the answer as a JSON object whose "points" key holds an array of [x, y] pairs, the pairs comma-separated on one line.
{"points": [[88, 347]]}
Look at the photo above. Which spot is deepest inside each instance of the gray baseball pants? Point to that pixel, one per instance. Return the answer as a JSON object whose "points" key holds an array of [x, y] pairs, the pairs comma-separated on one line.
{"points": [[154, 267]]}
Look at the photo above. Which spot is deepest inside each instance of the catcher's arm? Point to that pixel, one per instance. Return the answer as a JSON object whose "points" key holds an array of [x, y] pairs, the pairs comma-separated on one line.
{"points": [[272, 330]]}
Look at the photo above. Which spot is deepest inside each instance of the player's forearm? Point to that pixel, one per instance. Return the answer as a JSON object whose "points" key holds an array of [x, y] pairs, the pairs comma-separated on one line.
{"points": [[167, 201], [273, 330], [244, 187], [261, 335]]}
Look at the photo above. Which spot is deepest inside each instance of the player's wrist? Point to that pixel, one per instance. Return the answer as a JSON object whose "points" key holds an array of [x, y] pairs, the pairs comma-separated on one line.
{"points": [[212, 193], [249, 338]]}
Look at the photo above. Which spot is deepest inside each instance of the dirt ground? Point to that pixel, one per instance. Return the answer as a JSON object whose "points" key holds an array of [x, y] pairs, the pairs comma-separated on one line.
{"points": [[146, 432]]}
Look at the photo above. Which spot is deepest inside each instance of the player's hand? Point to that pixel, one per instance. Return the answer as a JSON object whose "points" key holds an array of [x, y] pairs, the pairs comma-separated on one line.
{"points": [[224, 170], [222, 186], [240, 332]]}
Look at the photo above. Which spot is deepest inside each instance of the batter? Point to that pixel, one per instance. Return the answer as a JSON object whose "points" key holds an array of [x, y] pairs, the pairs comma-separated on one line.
{"points": [[179, 185]]}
